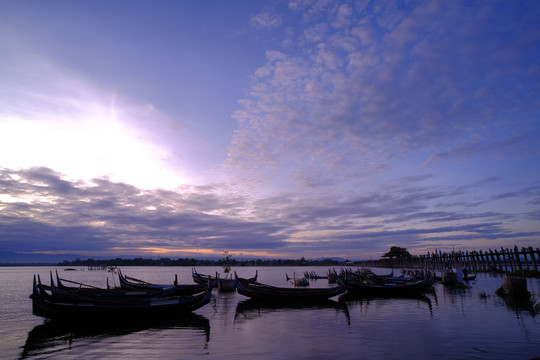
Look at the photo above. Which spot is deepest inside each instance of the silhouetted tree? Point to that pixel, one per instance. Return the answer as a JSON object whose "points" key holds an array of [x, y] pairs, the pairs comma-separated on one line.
{"points": [[397, 252]]}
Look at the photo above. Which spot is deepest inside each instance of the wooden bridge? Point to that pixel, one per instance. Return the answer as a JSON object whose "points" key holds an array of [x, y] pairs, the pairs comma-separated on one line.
{"points": [[503, 260]]}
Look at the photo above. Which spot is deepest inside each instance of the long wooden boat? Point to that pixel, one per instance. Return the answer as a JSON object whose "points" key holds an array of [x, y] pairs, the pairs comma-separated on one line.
{"points": [[392, 286], [203, 279], [127, 282], [69, 304], [256, 290], [92, 291]]}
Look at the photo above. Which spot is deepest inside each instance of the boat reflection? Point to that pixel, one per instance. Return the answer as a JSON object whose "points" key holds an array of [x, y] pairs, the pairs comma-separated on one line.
{"points": [[251, 308], [360, 299], [524, 304], [54, 335]]}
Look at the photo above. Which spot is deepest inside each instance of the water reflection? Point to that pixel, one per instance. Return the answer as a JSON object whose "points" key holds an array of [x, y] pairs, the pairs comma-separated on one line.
{"points": [[366, 299], [56, 335], [524, 304], [252, 308]]}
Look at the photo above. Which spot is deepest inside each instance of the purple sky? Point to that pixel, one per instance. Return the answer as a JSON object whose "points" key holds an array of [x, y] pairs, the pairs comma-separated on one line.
{"points": [[268, 129]]}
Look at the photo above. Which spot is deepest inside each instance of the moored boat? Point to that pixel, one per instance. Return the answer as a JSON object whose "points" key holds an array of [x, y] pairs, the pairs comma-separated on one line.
{"points": [[226, 284], [389, 285], [356, 286], [127, 282], [303, 281], [257, 290], [53, 302], [88, 290]]}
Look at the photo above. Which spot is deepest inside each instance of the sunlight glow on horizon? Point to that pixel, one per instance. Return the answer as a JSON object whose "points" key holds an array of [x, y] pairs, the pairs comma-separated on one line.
{"points": [[59, 118], [92, 145], [162, 251]]}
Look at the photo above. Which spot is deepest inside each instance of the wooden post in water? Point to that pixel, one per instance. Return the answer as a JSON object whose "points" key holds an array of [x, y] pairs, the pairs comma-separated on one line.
{"points": [[489, 261], [504, 259], [516, 254], [498, 259], [511, 260], [533, 259], [493, 262], [524, 252], [481, 260]]}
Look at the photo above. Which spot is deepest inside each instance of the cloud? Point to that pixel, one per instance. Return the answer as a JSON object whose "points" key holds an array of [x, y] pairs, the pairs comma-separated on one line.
{"points": [[44, 212], [350, 99], [265, 20], [523, 144], [40, 211]]}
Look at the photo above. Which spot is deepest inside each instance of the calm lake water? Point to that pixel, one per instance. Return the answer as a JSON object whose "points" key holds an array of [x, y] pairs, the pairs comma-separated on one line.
{"points": [[447, 323]]}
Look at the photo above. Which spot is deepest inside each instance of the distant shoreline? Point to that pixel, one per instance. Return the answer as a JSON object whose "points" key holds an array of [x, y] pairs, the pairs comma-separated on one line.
{"points": [[184, 262]]}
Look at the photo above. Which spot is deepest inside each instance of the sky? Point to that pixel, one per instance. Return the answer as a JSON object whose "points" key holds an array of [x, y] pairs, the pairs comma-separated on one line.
{"points": [[268, 129]]}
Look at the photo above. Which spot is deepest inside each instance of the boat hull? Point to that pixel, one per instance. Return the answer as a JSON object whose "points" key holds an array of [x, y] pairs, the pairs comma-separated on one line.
{"points": [[260, 291], [47, 304]]}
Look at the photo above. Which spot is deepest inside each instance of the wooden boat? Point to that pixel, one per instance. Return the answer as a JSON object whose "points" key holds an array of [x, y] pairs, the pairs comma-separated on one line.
{"points": [[88, 290], [203, 279], [311, 275], [127, 282], [303, 281], [48, 303], [257, 290], [390, 286], [466, 276]]}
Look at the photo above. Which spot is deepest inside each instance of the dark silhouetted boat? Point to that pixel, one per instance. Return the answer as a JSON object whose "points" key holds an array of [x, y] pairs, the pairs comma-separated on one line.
{"points": [[54, 302], [257, 290], [127, 282], [365, 283], [222, 284]]}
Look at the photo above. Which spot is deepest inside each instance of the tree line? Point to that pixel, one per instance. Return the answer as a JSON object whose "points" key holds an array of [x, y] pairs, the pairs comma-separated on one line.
{"points": [[200, 262]]}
